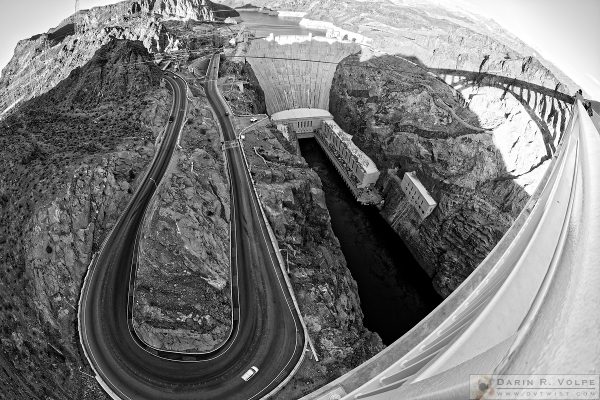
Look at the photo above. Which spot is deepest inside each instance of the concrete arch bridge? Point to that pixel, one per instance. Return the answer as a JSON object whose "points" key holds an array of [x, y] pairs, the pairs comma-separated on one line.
{"points": [[550, 109]]}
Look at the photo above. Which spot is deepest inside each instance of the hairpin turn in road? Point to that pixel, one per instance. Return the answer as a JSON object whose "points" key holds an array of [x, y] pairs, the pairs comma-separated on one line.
{"points": [[266, 330]]}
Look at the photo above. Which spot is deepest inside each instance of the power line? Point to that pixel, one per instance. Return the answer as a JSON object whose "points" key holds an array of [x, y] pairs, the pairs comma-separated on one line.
{"points": [[347, 64]]}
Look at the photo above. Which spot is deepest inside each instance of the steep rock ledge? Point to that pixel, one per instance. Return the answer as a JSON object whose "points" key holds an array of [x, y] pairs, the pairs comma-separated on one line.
{"points": [[69, 163], [39, 63], [477, 162], [294, 203], [182, 294]]}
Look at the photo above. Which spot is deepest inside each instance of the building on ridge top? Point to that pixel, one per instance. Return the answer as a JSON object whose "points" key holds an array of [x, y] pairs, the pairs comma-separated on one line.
{"points": [[417, 195]]}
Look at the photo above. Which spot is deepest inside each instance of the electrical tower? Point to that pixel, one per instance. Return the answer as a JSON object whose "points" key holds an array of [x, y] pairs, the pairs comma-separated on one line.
{"points": [[45, 49], [76, 19]]}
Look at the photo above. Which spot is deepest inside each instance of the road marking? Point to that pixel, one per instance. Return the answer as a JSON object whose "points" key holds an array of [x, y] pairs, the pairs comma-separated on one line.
{"points": [[230, 144]]}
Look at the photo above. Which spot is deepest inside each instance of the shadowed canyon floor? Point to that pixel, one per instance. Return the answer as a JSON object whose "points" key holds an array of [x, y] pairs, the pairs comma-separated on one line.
{"points": [[387, 274]]}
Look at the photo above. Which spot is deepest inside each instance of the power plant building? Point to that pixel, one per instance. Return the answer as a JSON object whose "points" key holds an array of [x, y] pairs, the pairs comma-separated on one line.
{"points": [[417, 195], [302, 122], [358, 169]]}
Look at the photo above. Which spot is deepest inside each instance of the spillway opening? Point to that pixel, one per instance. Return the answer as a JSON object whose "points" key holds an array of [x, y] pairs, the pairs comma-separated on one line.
{"points": [[395, 292]]}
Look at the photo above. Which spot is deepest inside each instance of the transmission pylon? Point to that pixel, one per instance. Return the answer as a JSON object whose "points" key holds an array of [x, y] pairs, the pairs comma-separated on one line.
{"points": [[45, 49], [76, 19]]}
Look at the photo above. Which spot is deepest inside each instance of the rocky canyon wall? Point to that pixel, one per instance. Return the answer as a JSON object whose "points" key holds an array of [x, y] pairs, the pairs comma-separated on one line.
{"points": [[39, 63], [479, 157], [294, 203], [69, 163], [480, 171]]}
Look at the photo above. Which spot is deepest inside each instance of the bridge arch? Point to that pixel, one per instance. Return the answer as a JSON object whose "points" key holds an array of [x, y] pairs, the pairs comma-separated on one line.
{"points": [[136, 8], [550, 109]]}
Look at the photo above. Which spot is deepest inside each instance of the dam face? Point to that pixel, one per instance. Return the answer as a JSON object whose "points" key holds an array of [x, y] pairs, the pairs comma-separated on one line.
{"points": [[297, 71]]}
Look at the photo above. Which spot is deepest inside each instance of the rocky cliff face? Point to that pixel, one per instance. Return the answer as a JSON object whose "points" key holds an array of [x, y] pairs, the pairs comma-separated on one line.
{"points": [[42, 61], [478, 160], [479, 148], [294, 203], [69, 163], [247, 99], [182, 297], [480, 170]]}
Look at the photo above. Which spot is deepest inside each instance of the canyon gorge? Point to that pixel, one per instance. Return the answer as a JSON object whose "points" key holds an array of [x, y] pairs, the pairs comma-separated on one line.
{"points": [[83, 108]]}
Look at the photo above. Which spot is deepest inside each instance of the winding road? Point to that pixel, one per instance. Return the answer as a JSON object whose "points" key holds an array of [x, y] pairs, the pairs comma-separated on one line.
{"points": [[266, 330]]}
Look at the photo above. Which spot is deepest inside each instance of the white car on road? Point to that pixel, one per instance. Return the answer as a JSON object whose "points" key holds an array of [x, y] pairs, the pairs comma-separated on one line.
{"points": [[250, 373]]}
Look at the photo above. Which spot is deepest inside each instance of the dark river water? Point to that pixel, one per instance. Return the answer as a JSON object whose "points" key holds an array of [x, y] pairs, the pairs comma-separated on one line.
{"points": [[395, 293]]}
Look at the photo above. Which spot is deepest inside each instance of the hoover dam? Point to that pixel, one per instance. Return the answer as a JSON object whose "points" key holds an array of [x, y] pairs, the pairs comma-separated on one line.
{"points": [[296, 71], [240, 201]]}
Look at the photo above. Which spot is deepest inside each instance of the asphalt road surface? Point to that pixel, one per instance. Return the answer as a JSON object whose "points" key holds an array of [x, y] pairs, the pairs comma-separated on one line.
{"points": [[266, 332]]}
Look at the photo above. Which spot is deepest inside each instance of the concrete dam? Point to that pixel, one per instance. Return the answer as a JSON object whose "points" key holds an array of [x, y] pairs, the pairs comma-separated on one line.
{"points": [[297, 71]]}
